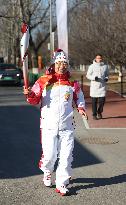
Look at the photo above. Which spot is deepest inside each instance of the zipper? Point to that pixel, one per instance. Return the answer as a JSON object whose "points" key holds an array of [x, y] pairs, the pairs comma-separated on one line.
{"points": [[59, 104]]}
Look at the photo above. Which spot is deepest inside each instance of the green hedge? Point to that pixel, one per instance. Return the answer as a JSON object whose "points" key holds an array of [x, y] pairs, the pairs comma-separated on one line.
{"points": [[33, 77]]}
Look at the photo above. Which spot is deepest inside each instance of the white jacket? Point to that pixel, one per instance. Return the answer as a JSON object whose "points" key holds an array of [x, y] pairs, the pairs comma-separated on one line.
{"points": [[57, 112], [100, 70], [56, 95]]}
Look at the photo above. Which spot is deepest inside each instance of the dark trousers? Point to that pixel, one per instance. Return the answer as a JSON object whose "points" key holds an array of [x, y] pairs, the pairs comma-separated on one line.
{"points": [[97, 105]]}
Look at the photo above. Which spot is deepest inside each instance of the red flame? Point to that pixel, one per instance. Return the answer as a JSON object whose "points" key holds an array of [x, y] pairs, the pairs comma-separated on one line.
{"points": [[24, 28]]}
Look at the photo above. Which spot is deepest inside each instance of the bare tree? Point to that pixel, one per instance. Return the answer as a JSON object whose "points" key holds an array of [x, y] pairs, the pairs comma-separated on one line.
{"points": [[94, 26], [99, 26], [35, 13]]}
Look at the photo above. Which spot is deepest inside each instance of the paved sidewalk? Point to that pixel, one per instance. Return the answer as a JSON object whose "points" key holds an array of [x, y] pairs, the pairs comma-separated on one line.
{"points": [[114, 115]]}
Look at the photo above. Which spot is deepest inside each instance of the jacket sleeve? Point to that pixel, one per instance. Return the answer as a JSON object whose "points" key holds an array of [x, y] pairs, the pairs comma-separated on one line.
{"points": [[90, 74], [78, 96], [107, 72], [35, 95]]}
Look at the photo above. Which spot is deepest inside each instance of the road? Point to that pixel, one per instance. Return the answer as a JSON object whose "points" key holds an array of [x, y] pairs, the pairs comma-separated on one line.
{"points": [[99, 169]]}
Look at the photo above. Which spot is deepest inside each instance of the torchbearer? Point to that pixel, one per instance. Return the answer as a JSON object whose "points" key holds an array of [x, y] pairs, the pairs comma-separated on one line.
{"points": [[56, 92]]}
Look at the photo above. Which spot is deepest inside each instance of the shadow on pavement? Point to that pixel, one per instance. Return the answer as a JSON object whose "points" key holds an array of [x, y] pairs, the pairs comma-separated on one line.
{"points": [[20, 147], [104, 118], [95, 182], [19, 141], [82, 156]]}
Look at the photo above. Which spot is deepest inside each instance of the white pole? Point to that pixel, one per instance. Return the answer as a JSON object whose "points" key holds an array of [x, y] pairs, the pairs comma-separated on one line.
{"points": [[53, 35], [50, 28]]}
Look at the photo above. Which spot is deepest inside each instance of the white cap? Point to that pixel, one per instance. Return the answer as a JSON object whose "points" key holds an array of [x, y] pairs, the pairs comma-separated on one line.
{"points": [[59, 55]]}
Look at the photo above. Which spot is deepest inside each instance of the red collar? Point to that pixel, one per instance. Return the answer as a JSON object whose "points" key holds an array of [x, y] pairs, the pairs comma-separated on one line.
{"points": [[63, 77]]}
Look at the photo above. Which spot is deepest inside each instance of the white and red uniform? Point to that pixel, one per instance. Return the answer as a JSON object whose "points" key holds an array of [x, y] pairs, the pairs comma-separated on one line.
{"points": [[56, 93]]}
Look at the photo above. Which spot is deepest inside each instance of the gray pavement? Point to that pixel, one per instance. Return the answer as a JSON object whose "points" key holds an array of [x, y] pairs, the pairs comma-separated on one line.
{"points": [[99, 169]]}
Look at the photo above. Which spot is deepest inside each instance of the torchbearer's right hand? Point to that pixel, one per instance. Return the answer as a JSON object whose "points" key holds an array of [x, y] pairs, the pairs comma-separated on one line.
{"points": [[85, 115], [26, 91], [82, 112]]}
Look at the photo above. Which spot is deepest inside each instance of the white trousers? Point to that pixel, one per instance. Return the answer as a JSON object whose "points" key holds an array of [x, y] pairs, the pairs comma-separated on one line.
{"points": [[57, 144]]}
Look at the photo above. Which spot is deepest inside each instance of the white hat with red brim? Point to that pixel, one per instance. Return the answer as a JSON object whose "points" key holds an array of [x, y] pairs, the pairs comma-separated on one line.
{"points": [[59, 55]]}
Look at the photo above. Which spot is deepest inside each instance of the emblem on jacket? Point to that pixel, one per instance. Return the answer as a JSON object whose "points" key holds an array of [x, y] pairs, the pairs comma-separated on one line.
{"points": [[67, 96]]}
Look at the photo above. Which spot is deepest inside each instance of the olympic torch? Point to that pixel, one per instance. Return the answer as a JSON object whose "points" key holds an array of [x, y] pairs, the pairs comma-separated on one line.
{"points": [[24, 52]]}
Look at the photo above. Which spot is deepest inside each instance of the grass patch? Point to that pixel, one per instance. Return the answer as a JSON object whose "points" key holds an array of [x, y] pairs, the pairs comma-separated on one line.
{"points": [[116, 86]]}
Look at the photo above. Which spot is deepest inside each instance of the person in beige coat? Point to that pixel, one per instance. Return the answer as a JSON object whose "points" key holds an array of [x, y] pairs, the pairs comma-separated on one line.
{"points": [[98, 75]]}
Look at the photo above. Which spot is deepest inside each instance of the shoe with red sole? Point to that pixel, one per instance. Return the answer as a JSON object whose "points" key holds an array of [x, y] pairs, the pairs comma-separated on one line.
{"points": [[47, 179], [62, 190]]}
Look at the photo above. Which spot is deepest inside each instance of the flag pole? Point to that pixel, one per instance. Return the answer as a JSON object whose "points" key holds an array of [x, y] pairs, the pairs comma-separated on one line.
{"points": [[51, 49]]}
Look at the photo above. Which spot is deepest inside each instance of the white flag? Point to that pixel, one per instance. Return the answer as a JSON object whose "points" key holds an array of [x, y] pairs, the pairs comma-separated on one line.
{"points": [[62, 30]]}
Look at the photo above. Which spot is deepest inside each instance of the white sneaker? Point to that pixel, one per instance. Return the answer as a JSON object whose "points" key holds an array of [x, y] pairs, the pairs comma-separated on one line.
{"points": [[47, 179], [62, 190]]}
